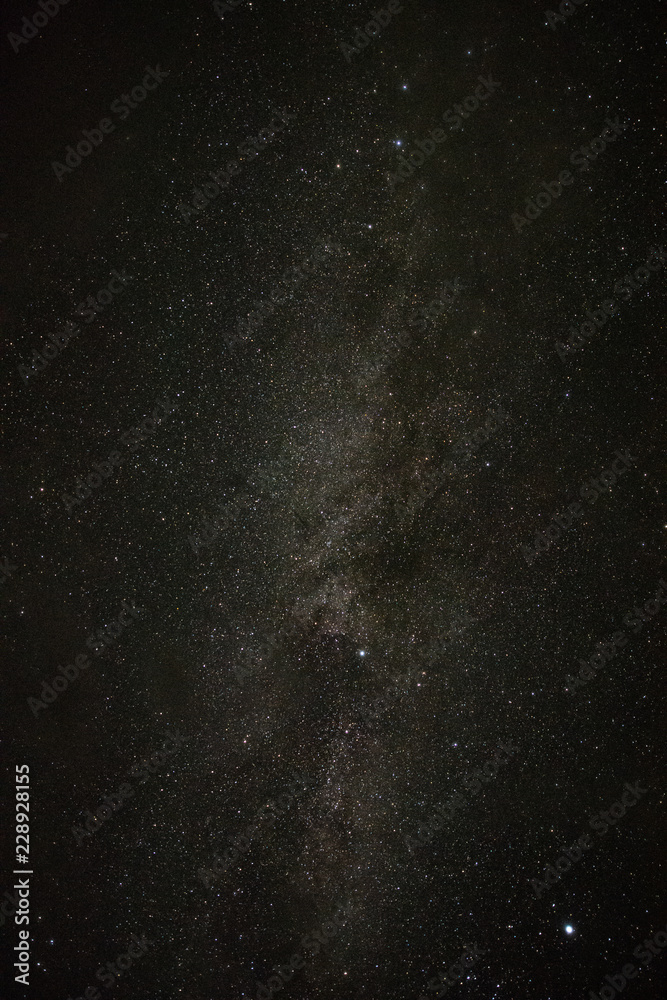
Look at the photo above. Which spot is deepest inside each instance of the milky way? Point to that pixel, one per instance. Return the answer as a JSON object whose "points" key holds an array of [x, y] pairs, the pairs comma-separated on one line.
{"points": [[351, 270]]}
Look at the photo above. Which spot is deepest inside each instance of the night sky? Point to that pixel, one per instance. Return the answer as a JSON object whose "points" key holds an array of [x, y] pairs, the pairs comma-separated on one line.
{"points": [[329, 487]]}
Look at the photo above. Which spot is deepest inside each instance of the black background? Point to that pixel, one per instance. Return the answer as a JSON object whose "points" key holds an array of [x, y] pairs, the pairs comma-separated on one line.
{"points": [[343, 421]]}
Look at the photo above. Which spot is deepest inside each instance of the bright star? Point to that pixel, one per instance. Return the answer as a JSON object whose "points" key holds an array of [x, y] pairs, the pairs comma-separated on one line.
{"points": [[398, 142], [362, 652], [569, 929]]}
